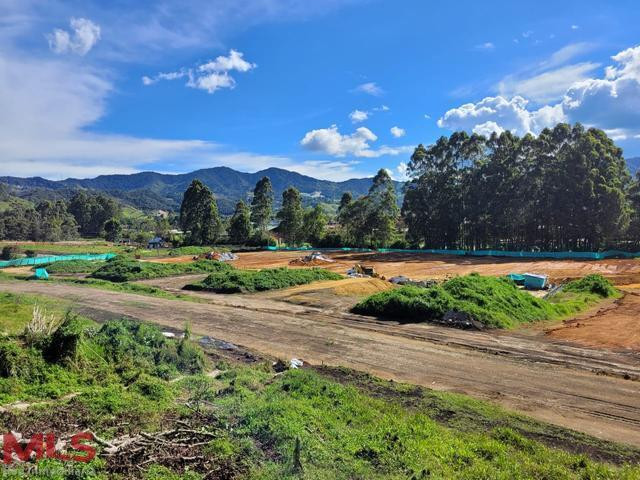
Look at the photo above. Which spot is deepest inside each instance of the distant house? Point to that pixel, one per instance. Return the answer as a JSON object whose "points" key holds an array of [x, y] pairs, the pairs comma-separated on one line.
{"points": [[156, 242]]}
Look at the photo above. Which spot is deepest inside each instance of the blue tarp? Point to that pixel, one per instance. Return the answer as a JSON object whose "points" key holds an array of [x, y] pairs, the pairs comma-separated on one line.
{"points": [[41, 274], [21, 262]]}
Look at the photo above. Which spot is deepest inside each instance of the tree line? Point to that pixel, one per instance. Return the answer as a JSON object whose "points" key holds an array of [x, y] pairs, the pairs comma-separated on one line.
{"points": [[568, 188]]}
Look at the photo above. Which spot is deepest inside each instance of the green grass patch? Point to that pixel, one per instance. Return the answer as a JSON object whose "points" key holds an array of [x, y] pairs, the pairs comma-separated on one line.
{"points": [[126, 287], [332, 424], [72, 266], [345, 433], [495, 302], [125, 269], [246, 281], [16, 310]]}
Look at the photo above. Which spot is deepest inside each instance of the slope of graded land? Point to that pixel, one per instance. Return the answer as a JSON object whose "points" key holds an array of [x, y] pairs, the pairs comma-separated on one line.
{"points": [[421, 266], [549, 381]]}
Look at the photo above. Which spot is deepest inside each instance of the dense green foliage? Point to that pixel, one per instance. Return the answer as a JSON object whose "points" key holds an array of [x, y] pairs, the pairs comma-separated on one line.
{"points": [[566, 189], [199, 215], [291, 217], [591, 284], [122, 269], [48, 221], [240, 224], [314, 223], [92, 211], [262, 204], [495, 302], [370, 221], [243, 281], [79, 357]]}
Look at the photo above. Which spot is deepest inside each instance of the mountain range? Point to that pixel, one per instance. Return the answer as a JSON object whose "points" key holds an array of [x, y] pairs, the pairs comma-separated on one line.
{"points": [[158, 191]]}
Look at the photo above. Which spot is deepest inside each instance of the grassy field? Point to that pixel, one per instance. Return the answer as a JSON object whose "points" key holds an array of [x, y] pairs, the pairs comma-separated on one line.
{"points": [[124, 269], [495, 302], [72, 266], [124, 377], [16, 310], [101, 246], [246, 281]]}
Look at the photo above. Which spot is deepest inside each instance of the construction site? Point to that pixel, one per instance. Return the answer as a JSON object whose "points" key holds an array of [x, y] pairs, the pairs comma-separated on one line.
{"points": [[582, 372]]}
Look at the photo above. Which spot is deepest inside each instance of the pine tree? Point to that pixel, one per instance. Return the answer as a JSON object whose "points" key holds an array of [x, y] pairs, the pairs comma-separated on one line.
{"points": [[291, 217], [240, 224], [262, 205], [199, 215]]}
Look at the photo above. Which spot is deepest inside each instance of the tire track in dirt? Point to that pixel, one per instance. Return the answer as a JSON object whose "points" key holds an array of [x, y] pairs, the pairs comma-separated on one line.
{"points": [[600, 405]]}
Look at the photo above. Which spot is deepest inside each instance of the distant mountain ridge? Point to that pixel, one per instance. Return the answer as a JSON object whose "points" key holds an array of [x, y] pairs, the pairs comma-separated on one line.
{"points": [[152, 190]]}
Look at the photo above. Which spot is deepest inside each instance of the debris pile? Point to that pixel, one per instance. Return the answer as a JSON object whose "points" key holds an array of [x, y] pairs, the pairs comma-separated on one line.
{"points": [[314, 259], [362, 271], [402, 280], [221, 256]]}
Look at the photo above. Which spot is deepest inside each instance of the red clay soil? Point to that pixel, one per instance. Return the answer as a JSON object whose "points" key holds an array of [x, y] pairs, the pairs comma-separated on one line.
{"points": [[422, 266], [615, 326]]}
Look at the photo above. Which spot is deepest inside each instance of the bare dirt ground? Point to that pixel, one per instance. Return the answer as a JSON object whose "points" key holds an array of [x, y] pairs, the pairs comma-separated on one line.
{"points": [[614, 326], [590, 390], [422, 266]]}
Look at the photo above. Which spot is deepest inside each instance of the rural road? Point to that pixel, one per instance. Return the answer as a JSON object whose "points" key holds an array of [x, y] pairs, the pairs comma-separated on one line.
{"points": [[549, 381]]}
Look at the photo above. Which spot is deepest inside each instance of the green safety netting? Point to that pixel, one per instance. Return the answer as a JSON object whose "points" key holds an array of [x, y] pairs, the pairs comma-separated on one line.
{"points": [[482, 253], [21, 262]]}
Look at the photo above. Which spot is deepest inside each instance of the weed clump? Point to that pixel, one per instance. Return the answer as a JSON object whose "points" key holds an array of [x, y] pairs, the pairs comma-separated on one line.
{"points": [[592, 284]]}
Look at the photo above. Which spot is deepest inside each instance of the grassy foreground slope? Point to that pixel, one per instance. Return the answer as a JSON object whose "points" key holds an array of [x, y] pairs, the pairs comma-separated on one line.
{"points": [[495, 302], [124, 380], [246, 281]]}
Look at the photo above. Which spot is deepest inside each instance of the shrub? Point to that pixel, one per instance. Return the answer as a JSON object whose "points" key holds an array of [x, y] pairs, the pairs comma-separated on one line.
{"points": [[243, 281], [65, 341], [593, 284], [30, 253], [9, 252]]}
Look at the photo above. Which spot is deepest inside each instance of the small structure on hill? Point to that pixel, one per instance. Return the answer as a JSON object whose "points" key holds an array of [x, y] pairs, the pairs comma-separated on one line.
{"points": [[156, 242]]}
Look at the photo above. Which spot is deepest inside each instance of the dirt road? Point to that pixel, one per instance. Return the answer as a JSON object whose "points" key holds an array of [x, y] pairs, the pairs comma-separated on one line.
{"points": [[550, 381]]}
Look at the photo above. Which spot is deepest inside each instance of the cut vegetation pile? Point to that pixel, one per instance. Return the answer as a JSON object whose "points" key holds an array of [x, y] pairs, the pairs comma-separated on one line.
{"points": [[493, 302], [245, 281], [125, 269]]}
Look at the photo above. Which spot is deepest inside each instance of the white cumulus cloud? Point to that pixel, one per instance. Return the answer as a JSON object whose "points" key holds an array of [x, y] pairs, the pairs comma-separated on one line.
{"points": [[85, 34], [500, 114], [358, 116], [611, 102], [332, 142], [370, 88], [210, 76], [398, 132]]}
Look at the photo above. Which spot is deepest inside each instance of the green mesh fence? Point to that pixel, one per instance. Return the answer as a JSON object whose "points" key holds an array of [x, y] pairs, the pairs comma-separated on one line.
{"points": [[21, 262], [482, 253]]}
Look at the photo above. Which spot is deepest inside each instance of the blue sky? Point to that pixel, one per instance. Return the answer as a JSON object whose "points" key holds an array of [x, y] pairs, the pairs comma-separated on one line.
{"points": [[335, 88]]}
